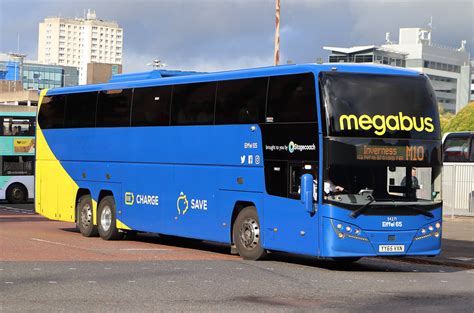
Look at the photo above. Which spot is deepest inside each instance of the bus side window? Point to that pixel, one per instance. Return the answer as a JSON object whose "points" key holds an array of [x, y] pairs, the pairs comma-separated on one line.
{"points": [[241, 101], [276, 178], [456, 149], [81, 109], [51, 113], [113, 108], [151, 106], [193, 104], [292, 98]]}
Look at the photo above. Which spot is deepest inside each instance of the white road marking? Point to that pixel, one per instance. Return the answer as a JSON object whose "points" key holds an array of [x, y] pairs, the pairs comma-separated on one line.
{"points": [[171, 281], [107, 268], [91, 281], [145, 268], [208, 281], [270, 268], [461, 258], [72, 268], [52, 282], [239, 268], [444, 281], [208, 268], [36, 269], [8, 282], [470, 272], [380, 280], [131, 281], [52, 242], [412, 280], [349, 280]]}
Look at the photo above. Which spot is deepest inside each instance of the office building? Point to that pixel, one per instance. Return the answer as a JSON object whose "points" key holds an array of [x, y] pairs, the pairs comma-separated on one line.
{"points": [[448, 68], [79, 41], [34, 75]]}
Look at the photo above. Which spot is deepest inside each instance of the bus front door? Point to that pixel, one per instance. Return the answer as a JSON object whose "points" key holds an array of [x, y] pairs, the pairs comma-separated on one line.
{"points": [[288, 225]]}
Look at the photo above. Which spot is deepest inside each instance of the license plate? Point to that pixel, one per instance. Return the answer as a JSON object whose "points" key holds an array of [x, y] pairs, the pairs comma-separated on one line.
{"points": [[391, 248]]}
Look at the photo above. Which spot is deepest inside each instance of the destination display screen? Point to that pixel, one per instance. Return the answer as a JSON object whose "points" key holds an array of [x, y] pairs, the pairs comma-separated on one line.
{"points": [[387, 151], [390, 153]]}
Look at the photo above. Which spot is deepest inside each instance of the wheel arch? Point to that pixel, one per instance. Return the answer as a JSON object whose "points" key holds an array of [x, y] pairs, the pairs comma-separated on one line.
{"points": [[80, 192], [238, 206], [11, 185]]}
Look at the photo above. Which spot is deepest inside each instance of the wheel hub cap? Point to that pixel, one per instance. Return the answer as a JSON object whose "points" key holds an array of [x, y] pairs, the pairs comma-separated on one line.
{"points": [[106, 218], [250, 233]]}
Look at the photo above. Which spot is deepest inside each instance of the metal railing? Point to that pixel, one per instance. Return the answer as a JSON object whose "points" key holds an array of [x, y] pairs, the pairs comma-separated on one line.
{"points": [[458, 189]]}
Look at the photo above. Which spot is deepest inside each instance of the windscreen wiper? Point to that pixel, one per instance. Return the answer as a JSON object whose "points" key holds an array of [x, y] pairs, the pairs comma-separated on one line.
{"points": [[359, 211]]}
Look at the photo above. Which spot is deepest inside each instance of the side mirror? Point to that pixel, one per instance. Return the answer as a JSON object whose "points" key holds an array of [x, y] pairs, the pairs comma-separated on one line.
{"points": [[307, 192]]}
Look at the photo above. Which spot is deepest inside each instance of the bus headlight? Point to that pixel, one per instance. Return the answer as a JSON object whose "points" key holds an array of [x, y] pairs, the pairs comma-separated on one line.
{"points": [[423, 231], [430, 228], [438, 225]]}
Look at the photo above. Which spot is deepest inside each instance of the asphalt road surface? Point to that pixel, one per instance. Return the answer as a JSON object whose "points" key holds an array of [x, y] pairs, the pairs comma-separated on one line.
{"points": [[47, 266]]}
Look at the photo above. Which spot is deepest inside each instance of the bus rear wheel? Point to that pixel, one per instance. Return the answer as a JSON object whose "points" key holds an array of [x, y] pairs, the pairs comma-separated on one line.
{"points": [[16, 193], [247, 236], [84, 216], [106, 219]]}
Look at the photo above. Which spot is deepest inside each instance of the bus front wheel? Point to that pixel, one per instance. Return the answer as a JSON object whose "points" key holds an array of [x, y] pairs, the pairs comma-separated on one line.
{"points": [[246, 235], [84, 216], [16, 193], [106, 219]]}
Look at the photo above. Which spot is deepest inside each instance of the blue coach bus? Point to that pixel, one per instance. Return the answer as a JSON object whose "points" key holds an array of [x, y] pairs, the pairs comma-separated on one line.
{"points": [[236, 157]]}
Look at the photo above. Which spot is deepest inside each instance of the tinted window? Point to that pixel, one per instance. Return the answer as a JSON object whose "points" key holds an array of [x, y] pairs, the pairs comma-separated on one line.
{"points": [[17, 126], [18, 165], [292, 98], [51, 113], [456, 149], [241, 101], [151, 106], [81, 109], [193, 104], [276, 178], [113, 108], [368, 105]]}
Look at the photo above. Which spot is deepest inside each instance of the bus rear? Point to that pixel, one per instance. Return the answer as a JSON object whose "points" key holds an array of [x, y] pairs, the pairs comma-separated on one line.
{"points": [[17, 153], [382, 165]]}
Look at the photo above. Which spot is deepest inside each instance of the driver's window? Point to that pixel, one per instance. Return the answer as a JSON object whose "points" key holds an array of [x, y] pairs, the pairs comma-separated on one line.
{"points": [[296, 171]]}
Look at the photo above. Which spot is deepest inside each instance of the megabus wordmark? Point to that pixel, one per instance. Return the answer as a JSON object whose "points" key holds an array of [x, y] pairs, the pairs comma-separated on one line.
{"points": [[381, 123]]}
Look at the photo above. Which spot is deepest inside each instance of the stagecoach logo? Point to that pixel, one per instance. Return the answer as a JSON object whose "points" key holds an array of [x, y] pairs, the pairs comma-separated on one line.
{"points": [[129, 198], [182, 204], [292, 147]]}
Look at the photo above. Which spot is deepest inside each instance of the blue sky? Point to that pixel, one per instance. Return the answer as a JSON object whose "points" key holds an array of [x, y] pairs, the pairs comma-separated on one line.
{"points": [[212, 35]]}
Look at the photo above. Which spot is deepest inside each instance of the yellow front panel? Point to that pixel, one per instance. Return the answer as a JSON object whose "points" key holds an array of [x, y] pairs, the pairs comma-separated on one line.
{"points": [[56, 190]]}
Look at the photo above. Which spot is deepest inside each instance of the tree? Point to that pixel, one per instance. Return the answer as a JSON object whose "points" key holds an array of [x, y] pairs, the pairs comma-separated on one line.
{"points": [[463, 121]]}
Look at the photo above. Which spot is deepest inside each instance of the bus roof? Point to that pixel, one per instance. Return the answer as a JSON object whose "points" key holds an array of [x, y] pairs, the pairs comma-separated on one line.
{"points": [[156, 78]]}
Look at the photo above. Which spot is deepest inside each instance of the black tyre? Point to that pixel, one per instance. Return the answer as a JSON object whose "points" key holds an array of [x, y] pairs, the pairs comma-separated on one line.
{"points": [[246, 234], [106, 219], [16, 193], [85, 217]]}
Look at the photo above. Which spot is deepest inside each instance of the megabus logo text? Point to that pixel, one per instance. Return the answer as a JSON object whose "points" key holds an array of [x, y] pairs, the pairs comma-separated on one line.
{"points": [[380, 123]]}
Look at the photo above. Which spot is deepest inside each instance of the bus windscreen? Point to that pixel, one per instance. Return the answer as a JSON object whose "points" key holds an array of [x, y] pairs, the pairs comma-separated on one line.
{"points": [[377, 106]]}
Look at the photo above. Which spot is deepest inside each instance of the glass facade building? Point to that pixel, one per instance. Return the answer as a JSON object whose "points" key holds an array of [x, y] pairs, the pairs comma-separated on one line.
{"points": [[40, 76]]}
